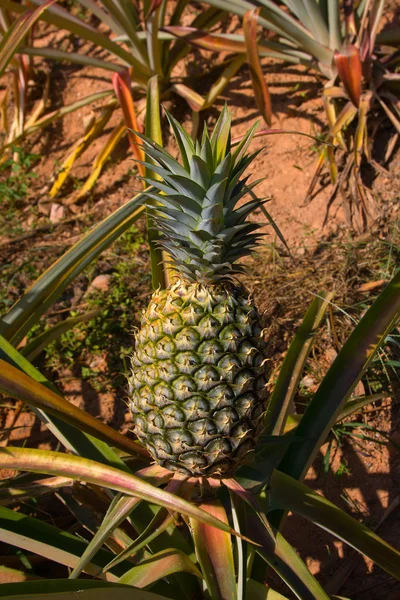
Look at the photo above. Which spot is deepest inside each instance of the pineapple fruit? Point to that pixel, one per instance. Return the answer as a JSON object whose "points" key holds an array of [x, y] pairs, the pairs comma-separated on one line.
{"points": [[198, 382]]}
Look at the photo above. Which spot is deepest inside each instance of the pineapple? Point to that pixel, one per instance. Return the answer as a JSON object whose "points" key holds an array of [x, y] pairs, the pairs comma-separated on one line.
{"points": [[198, 382]]}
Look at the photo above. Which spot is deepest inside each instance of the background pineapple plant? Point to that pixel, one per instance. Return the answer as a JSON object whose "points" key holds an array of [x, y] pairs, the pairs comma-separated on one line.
{"points": [[197, 389]]}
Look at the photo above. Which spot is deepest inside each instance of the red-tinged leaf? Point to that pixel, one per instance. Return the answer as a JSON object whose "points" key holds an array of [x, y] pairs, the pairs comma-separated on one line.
{"points": [[206, 40], [91, 471], [122, 87], [15, 36], [152, 8], [215, 554], [160, 565], [261, 92], [119, 510], [195, 101], [348, 64], [158, 525], [17, 384]]}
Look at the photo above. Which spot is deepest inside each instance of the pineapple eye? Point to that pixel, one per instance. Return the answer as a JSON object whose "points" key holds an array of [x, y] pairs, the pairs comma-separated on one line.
{"points": [[187, 361], [210, 351], [165, 348], [229, 362], [202, 428], [244, 405], [167, 370], [172, 324], [224, 419], [193, 460], [163, 394], [180, 438], [161, 445], [208, 327], [173, 416], [187, 339], [218, 449], [155, 422], [195, 408], [184, 386], [206, 377]]}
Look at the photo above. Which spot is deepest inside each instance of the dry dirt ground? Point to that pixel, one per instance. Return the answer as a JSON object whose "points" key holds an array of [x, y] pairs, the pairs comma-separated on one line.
{"points": [[363, 478]]}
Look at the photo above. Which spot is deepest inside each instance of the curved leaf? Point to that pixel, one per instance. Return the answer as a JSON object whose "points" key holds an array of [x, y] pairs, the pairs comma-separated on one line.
{"points": [[53, 543], [261, 91], [65, 589], [17, 384], [293, 365], [341, 379], [160, 565], [15, 36], [215, 554], [56, 463], [287, 493]]}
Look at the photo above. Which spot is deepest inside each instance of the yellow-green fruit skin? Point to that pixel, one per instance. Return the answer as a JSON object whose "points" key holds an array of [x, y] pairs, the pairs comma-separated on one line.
{"points": [[198, 382]]}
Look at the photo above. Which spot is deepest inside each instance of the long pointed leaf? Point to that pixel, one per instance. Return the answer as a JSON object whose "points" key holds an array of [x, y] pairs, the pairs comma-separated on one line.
{"points": [[157, 567], [261, 92], [64, 589], [153, 131], [18, 385], [289, 494], [75, 440], [14, 37], [293, 365], [56, 463], [341, 379], [215, 554]]}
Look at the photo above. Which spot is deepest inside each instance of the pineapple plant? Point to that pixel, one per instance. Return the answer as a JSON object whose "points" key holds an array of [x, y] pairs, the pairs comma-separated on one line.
{"points": [[198, 381]]}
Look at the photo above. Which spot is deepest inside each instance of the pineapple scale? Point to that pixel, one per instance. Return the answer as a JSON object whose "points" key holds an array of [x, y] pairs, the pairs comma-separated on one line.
{"points": [[198, 383]]}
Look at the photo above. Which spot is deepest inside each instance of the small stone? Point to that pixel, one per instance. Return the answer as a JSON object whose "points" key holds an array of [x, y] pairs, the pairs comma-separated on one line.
{"points": [[330, 354], [57, 212], [307, 382], [101, 282]]}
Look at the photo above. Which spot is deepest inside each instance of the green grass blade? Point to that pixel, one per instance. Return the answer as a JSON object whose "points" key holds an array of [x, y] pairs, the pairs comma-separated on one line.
{"points": [[341, 379], [288, 494], [64, 589], [27, 311], [293, 366], [56, 463]]}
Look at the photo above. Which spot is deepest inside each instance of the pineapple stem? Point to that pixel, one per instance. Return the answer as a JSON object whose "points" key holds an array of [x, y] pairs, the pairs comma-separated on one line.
{"points": [[153, 131]]}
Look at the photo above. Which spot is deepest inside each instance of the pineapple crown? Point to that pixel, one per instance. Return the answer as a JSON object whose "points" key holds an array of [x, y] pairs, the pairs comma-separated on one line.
{"points": [[203, 229]]}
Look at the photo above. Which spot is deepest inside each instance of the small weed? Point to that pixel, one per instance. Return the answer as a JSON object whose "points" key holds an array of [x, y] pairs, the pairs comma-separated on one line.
{"points": [[15, 180], [100, 348]]}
